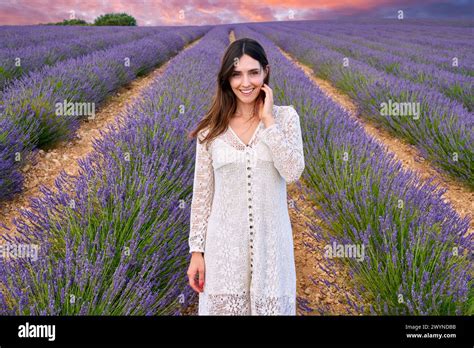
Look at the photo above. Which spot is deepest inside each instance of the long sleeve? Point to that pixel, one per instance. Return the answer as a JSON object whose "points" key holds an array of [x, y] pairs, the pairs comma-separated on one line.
{"points": [[203, 193], [286, 144]]}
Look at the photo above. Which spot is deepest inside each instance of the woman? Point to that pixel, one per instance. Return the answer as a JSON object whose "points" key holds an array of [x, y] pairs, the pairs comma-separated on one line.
{"points": [[240, 239]]}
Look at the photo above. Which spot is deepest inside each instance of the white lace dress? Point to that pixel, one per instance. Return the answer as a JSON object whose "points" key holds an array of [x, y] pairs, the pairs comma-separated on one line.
{"points": [[240, 219]]}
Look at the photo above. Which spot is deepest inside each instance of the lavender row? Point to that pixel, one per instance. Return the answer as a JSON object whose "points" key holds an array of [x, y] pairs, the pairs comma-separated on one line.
{"points": [[457, 60], [438, 29], [414, 35], [36, 35], [11, 146], [38, 105], [454, 86], [427, 43], [15, 62], [442, 129], [113, 241], [416, 258]]}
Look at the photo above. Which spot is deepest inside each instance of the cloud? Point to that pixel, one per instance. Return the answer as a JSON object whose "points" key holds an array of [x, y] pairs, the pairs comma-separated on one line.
{"points": [[204, 12]]}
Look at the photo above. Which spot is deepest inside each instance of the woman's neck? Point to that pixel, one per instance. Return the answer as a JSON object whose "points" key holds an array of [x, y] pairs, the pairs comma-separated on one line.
{"points": [[245, 110]]}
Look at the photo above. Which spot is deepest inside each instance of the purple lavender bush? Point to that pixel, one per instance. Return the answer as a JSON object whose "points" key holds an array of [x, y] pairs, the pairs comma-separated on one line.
{"points": [[53, 51], [443, 129], [11, 159], [113, 240], [417, 249], [31, 102]]}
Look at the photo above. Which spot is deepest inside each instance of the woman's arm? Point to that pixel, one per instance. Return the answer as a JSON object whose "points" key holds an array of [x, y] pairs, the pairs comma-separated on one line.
{"points": [[286, 144], [203, 193]]}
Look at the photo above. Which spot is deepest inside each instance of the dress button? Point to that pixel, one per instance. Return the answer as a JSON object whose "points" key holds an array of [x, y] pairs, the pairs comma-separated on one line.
{"points": [[248, 184], [248, 168], [251, 226], [250, 206], [248, 176], [250, 199], [248, 191]]}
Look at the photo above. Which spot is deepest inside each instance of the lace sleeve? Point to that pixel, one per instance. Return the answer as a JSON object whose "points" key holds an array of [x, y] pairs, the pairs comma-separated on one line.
{"points": [[286, 144], [203, 193]]}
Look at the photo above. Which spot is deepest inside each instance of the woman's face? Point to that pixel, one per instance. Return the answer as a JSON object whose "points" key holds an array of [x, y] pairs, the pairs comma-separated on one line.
{"points": [[247, 76]]}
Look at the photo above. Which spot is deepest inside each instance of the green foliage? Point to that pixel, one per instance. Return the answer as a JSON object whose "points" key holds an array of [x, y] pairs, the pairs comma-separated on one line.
{"points": [[71, 22], [121, 19]]}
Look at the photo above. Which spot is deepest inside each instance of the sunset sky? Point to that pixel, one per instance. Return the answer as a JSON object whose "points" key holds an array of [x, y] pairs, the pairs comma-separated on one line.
{"points": [[201, 12]]}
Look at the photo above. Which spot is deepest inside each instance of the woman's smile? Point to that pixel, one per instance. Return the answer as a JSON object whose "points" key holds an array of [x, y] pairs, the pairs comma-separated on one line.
{"points": [[247, 91]]}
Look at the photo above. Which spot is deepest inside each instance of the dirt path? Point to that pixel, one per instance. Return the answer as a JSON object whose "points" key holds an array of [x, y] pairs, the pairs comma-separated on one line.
{"points": [[65, 155], [232, 36], [461, 198], [311, 289]]}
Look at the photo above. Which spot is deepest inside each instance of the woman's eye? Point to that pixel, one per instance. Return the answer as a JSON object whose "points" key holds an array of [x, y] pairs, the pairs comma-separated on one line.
{"points": [[255, 73]]}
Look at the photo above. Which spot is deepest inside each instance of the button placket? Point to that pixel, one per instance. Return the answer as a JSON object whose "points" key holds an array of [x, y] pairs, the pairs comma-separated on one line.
{"points": [[249, 171]]}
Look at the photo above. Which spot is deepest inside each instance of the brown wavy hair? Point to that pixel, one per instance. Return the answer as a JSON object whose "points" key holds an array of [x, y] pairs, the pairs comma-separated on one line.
{"points": [[224, 103]]}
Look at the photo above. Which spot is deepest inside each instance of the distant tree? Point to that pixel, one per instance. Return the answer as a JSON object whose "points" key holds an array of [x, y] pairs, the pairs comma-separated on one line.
{"points": [[115, 19], [73, 22], [68, 22]]}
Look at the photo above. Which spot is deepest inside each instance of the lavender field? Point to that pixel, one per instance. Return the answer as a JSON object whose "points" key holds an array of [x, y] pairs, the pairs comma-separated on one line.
{"points": [[112, 240]]}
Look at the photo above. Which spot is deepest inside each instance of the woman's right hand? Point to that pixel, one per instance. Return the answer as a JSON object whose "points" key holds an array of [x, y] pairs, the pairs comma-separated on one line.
{"points": [[196, 272]]}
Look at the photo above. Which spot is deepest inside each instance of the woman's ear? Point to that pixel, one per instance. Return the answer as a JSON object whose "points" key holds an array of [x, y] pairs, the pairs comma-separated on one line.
{"points": [[267, 69]]}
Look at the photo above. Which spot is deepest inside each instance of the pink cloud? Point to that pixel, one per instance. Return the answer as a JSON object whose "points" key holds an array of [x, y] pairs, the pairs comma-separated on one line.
{"points": [[196, 12]]}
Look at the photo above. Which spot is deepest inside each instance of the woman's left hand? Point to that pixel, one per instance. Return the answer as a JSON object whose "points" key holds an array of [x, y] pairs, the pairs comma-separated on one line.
{"points": [[266, 110]]}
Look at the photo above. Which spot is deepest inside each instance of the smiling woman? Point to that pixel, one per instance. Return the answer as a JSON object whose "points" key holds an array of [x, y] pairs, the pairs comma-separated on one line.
{"points": [[242, 77], [241, 236]]}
